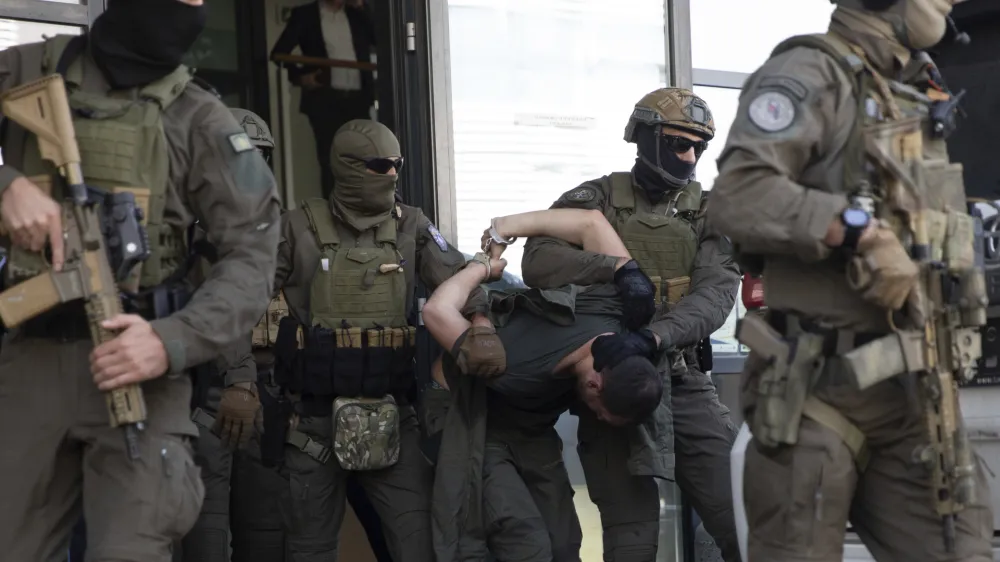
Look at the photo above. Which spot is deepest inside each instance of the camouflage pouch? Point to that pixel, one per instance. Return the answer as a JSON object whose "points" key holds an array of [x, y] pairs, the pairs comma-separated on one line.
{"points": [[366, 432], [786, 377]]}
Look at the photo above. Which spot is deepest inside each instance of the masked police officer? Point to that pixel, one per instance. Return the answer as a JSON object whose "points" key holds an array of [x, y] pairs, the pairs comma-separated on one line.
{"points": [[657, 211], [344, 356], [141, 124], [835, 184]]}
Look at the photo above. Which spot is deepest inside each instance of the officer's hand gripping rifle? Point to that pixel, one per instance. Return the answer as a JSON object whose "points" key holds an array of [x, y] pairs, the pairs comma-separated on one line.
{"points": [[42, 107], [947, 306]]}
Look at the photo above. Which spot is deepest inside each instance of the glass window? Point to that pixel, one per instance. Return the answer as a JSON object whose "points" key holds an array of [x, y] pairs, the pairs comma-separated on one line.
{"points": [[541, 94], [738, 36], [723, 102], [16, 32]]}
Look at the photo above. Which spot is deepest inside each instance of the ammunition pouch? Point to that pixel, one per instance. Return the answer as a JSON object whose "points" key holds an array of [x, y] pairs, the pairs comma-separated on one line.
{"points": [[670, 291], [792, 366], [318, 362], [366, 432]]}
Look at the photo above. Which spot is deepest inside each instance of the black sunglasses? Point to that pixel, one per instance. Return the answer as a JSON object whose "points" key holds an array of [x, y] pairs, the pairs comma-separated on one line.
{"points": [[681, 145], [380, 165]]}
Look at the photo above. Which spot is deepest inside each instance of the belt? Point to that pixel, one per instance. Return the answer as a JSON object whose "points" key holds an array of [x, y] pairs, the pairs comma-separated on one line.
{"points": [[835, 341], [295, 438]]}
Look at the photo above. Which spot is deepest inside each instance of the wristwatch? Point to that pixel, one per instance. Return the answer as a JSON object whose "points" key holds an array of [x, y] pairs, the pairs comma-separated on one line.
{"points": [[855, 222]]}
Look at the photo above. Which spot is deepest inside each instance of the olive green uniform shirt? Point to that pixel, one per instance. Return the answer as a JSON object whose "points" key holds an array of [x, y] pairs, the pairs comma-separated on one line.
{"points": [[232, 195]]}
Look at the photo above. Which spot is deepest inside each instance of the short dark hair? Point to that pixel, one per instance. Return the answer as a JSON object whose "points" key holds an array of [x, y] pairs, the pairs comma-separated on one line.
{"points": [[632, 389]]}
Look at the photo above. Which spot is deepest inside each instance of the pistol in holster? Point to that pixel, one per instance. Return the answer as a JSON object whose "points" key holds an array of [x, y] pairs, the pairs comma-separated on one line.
{"points": [[792, 365], [277, 413]]}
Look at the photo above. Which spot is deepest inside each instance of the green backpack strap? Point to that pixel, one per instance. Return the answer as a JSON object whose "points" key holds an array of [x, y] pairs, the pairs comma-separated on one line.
{"points": [[385, 232], [622, 191], [833, 46], [690, 198], [321, 222], [167, 89], [52, 51]]}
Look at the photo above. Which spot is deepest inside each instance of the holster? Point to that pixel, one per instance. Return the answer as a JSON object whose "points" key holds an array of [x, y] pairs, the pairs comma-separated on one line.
{"points": [[792, 366], [277, 412], [202, 378]]}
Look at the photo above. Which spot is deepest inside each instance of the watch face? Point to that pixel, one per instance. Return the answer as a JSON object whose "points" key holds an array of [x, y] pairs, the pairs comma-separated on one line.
{"points": [[856, 218]]}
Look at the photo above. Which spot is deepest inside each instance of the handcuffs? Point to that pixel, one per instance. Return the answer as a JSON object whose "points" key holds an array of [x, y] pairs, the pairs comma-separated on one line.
{"points": [[491, 236]]}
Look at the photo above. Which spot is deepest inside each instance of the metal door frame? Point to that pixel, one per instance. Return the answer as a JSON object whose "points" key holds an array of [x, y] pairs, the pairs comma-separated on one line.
{"points": [[81, 15]]}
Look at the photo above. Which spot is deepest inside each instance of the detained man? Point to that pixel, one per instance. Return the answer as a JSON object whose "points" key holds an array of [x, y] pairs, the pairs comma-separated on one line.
{"points": [[502, 487]]}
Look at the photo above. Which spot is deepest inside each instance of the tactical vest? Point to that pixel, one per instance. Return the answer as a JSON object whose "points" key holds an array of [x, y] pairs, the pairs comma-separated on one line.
{"points": [[663, 238], [358, 304], [122, 146], [265, 333]]}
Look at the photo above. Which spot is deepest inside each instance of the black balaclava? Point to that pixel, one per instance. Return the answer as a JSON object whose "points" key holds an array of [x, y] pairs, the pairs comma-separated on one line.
{"points": [[658, 169], [137, 42]]}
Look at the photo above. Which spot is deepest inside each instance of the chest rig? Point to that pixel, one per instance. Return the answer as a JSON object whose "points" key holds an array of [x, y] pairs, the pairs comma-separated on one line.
{"points": [[122, 148], [662, 238], [359, 343], [897, 168]]}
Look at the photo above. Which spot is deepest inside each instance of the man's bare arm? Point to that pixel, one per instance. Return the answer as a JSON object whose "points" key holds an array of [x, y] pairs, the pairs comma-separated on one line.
{"points": [[442, 313], [588, 229]]}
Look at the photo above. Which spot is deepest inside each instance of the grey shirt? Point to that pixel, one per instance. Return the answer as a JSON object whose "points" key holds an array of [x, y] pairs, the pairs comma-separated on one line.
{"points": [[530, 395]]}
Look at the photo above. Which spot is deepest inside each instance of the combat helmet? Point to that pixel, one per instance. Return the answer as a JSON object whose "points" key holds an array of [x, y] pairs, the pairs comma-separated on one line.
{"points": [[672, 107], [255, 128]]}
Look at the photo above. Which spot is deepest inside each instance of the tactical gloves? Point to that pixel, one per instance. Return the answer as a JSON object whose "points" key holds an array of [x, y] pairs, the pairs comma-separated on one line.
{"points": [[237, 412], [612, 349], [638, 294], [479, 352], [882, 270]]}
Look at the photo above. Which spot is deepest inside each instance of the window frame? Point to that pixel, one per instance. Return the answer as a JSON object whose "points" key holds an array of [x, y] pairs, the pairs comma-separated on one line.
{"points": [[40, 11]]}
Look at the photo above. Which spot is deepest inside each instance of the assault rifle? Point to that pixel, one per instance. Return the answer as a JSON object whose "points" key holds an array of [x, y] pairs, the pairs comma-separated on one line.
{"points": [[945, 312], [99, 229]]}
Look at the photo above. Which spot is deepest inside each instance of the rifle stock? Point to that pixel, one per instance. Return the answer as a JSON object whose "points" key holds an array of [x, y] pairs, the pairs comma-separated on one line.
{"points": [[42, 107]]}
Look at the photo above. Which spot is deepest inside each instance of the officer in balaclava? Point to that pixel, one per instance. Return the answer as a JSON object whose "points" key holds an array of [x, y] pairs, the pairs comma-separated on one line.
{"points": [[140, 123], [836, 136], [349, 265], [658, 211]]}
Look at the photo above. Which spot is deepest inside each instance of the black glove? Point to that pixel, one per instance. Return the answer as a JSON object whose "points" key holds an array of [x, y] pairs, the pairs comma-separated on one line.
{"points": [[638, 294], [612, 349]]}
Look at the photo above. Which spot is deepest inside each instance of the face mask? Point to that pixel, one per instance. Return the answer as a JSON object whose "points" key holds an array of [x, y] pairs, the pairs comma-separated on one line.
{"points": [[136, 42], [925, 22], [362, 197], [659, 168]]}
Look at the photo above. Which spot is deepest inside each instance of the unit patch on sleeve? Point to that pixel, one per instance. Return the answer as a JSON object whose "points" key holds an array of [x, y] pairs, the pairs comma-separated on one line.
{"points": [[240, 142], [581, 195], [438, 239], [772, 111]]}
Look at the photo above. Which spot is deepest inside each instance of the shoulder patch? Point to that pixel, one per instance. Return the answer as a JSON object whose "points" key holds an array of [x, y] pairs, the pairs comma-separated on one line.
{"points": [[240, 142], [438, 238], [797, 89], [772, 111], [581, 195]]}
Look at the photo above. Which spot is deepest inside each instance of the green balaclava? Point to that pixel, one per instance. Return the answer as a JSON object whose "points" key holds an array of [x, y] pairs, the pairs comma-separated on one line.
{"points": [[362, 197], [917, 24]]}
